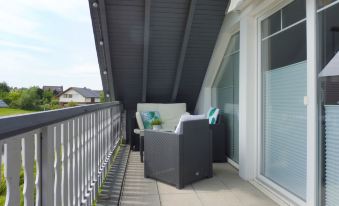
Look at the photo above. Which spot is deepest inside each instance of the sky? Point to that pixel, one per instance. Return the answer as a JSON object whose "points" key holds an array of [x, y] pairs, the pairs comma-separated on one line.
{"points": [[47, 42]]}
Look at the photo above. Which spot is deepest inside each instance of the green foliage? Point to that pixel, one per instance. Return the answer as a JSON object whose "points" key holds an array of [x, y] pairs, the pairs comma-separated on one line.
{"points": [[102, 96], [13, 98], [47, 97], [4, 87], [4, 90], [71, 104], [156, 122], [32, 98]]}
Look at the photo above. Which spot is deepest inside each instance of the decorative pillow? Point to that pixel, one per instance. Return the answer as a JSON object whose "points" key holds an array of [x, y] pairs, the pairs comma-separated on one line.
{"points": [[187, 117], [149, 117], [212, 115]]}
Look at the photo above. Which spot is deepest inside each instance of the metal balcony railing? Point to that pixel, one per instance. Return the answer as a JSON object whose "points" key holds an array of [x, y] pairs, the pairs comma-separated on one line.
{"points": [[64, 153]]}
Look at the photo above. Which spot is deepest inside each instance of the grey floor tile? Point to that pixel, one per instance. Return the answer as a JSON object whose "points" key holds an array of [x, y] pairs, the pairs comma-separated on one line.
{"points": [[220, 198], [180, 200], [169, 189], [225, 188], [147, 200]]}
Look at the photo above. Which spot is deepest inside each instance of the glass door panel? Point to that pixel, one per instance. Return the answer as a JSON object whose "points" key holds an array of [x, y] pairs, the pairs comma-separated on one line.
{"points": [[225, 96]]}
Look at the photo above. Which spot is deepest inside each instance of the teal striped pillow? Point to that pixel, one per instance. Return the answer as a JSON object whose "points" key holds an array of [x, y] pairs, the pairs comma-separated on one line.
{"points": [[213, 115], [149, 117]]}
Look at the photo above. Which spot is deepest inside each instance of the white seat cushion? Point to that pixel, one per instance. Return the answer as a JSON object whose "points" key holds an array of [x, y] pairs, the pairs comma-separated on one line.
{"points": [[185, 118]]}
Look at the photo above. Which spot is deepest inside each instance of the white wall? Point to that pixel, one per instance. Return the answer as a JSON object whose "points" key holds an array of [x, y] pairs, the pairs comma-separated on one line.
{"points": [[76, 97], [228, 28], [89, 100]]}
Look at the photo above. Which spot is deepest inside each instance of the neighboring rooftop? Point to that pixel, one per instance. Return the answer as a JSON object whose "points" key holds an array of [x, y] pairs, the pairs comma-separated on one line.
{"points": [[85, 92], [56, 89], [3, 104]]}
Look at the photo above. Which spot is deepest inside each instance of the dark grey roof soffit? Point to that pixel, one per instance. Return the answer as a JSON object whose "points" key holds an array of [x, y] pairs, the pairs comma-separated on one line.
{"points": [[155, 50]]}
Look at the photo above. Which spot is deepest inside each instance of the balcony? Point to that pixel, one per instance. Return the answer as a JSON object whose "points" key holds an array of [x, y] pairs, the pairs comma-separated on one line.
{"points": [[155, 52], [74, 156]]}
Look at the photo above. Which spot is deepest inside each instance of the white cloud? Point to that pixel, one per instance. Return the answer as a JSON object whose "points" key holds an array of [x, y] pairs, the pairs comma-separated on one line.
{"points": [[35, 51], [72, 9], [14, 45]]}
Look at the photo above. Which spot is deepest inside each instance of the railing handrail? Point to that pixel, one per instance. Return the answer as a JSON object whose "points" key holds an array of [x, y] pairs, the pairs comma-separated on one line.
{"points": [[15, 125]]}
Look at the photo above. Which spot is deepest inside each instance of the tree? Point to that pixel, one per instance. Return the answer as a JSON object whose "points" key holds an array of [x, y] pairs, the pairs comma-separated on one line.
{"points": [[47, 96], [30, 99], [4, 90], [13, 98], [4, 87], [102, 96]]}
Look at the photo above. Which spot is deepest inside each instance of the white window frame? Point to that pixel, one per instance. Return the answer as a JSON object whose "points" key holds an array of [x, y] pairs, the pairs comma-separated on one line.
{"points": [[312, 174]]}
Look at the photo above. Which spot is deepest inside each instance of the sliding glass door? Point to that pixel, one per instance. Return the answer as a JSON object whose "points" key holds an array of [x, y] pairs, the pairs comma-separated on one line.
{"points": [[284, 90], [328, 93], [225, 96]]}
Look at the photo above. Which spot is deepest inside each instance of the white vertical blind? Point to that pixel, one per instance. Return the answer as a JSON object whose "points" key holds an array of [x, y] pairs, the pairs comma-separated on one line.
{"points": [[332, 155], [285, 129]]}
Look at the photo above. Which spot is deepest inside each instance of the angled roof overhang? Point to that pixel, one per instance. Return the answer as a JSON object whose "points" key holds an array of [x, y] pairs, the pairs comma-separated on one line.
{"points": [[155, 50]]}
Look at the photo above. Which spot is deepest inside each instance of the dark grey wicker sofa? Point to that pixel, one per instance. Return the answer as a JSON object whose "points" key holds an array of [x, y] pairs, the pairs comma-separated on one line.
{"points": [[179, 159]]}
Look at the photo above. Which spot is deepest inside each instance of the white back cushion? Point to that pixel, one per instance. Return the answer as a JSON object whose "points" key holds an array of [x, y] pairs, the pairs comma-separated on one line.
{"points": [[169, 113], [185, 118]]}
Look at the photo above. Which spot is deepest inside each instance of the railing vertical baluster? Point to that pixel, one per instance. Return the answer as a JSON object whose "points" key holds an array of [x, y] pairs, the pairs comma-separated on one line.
{"points": [[82, 153], [75, 163], [105, 142], [90, 158], [47, 160], [57, 168], [1, 147], [64, 161], [110, 130], [86, 158], [28, 165], [12, 170], [70, 165], [99, 147], [95, 152], [37, 139]]}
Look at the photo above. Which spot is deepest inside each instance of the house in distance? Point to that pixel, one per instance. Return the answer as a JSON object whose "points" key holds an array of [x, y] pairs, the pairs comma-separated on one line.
{"points": [[79, 95], [55, 89]]}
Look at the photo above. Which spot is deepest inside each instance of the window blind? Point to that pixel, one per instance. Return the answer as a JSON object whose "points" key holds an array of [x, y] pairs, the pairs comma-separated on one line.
{"points": [[285, 127], [332, 155]]}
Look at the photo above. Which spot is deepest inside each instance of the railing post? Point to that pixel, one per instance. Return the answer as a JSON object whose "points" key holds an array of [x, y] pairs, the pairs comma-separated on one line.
{"points": [[28, 164], [47, 163], [71, 163], [38, 199], [75, 165], [65, 167], [123, 126], [12, 171], [57, 170]]}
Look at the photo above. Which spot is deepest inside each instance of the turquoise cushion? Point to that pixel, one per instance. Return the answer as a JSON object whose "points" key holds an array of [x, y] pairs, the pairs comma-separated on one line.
{"points": [[213, 115], [149, 117]]}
